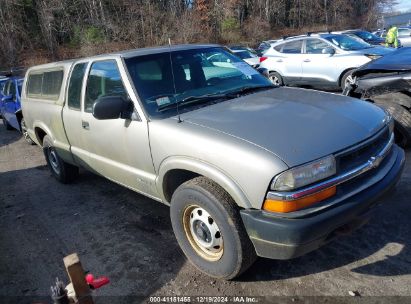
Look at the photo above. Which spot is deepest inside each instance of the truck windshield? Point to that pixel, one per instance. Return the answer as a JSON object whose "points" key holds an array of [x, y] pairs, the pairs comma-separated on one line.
{"points": [[347, 43], [190, 77]]}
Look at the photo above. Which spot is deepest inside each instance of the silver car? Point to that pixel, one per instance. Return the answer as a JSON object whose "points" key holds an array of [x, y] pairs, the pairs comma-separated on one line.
{"points": [[248, 56], [317, 59]]}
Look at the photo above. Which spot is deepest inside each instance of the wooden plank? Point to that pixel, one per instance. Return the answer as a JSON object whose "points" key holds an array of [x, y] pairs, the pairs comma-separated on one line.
{"points": [[77, 277]]}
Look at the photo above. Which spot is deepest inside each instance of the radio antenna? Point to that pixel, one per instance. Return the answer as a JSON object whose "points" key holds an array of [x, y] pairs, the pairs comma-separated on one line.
{"points": [[174, 80]]}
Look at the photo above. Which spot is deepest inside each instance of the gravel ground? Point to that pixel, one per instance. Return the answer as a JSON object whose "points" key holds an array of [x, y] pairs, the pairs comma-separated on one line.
{"points": [[128, 237]]}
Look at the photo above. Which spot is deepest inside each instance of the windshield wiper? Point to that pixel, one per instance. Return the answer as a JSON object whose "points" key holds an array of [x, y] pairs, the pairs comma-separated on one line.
{"points": [[210, 97], [191, 100], [249, 89]]}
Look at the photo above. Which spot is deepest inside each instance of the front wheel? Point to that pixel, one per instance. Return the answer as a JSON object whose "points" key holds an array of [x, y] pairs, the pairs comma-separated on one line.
{"points": [[346, 80], [209, 229], [62, 171]]}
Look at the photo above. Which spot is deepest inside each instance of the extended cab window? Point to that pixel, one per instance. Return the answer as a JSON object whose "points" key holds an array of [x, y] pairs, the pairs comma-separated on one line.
{"points": [[46, 85], [75, 85], [51, 86], [104, 80], [34, 84]]}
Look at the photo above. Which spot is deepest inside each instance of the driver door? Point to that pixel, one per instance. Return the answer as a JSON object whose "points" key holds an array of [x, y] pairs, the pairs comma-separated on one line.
{"points": [[118, 148]]}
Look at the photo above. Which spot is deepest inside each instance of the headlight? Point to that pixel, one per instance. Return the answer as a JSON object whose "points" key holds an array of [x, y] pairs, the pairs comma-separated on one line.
{"points": [[373, 57], [304, 175]]}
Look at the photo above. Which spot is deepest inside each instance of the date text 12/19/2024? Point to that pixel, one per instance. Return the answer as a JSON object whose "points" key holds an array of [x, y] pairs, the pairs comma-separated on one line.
{"points": [[204, 299]]}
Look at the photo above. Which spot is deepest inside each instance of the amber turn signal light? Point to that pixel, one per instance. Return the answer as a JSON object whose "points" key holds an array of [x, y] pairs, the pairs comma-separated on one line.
{"points": [[290, 206]]}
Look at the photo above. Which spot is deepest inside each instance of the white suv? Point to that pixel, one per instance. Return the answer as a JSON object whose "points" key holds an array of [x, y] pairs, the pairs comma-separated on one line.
{"points": [[317, 59]]}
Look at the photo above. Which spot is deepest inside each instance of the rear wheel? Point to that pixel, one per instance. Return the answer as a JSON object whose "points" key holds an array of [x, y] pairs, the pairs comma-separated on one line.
{"points": [[62, 171], [25, 132], [276, 78], [402, 117], [209, 229]]}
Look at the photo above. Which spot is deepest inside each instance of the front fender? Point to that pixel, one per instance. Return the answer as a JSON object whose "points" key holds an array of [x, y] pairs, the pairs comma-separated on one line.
{"points": [[204, 169]]}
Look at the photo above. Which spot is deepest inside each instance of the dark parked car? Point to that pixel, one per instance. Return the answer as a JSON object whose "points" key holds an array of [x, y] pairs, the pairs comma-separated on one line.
{"points": [[387, 83], [366, 36], [3, 81], [10, 106], [264, 46], [241, 48]]}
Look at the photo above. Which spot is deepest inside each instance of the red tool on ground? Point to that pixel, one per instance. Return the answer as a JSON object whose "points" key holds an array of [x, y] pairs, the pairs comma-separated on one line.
{"points": [[96, 283]]}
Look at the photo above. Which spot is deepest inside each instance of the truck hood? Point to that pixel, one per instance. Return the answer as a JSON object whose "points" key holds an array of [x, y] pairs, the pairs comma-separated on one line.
{"points": [[297, 125]]}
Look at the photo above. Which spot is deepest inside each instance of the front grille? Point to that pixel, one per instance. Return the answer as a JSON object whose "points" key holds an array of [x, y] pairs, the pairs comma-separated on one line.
{"points": [[360, 154]]}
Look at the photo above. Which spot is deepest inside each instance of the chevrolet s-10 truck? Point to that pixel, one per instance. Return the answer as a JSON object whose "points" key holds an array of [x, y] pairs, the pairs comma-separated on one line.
{"points": [[248, 169]]}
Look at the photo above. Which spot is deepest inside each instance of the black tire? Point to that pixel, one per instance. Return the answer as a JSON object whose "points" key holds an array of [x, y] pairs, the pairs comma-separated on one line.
{"points": [[344, 79], [62, 171], [6, 124], [236, 254], [276, 78], [402, 117], [26, 135]]}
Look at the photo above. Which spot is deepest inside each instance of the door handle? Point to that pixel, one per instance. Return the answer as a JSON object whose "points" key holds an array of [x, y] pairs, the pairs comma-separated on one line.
{"points": [[85, 125], [307, 60], [279, 60]]}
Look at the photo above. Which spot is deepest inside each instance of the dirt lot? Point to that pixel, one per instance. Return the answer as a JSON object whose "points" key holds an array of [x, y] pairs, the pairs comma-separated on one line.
{"points": [[128, 237]]}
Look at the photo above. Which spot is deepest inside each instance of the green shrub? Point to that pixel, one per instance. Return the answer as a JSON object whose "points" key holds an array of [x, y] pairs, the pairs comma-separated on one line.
{"points": [[230, 24], [93, 35], [90, 35]]}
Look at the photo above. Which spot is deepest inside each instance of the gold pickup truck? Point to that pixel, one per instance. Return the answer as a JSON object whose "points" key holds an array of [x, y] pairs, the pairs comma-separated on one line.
{"points": [[248, 168]]}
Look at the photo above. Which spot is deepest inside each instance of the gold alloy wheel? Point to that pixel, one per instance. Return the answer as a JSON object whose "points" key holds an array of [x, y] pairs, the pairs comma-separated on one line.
{"points": [[203, 233]]}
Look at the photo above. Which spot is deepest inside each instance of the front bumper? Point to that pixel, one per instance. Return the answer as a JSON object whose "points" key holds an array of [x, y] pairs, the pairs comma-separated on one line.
{"points": [[283, 238]]}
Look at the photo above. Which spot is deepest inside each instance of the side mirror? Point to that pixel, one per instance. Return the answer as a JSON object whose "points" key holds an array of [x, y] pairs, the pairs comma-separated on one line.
{"points": [[328, 50], [112, 107]]}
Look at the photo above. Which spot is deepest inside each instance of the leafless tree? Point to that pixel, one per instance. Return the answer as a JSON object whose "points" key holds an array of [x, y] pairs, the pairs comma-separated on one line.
{"points": [[71, 28]]}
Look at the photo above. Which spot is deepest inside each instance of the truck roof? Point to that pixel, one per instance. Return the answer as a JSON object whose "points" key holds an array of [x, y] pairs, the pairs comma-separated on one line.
{"points": [[163, 49], [129, 54]]}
